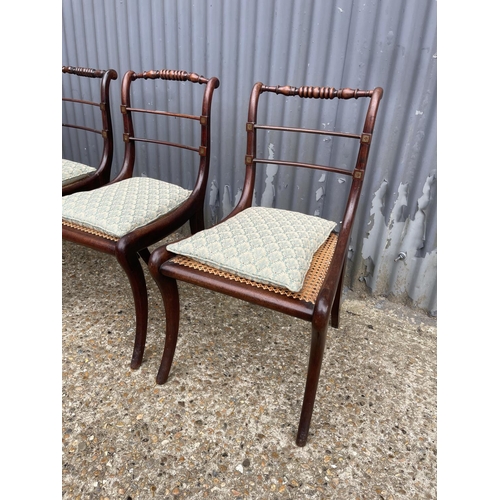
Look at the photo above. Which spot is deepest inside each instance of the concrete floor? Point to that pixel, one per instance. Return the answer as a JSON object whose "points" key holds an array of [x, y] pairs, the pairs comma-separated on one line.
{"points": [[223, 426]]}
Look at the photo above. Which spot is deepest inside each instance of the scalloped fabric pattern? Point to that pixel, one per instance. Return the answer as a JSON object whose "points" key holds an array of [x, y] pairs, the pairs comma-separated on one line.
{"points": [[73, 171], [117, 209], [267, 245]]}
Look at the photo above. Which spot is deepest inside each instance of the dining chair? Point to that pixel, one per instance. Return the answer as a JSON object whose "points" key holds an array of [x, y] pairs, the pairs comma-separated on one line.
{"points": [[133, 212], [279, 259], [77, 176]]}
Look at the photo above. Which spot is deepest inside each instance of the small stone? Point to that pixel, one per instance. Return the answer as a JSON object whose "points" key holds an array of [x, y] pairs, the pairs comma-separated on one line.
{"points": [[246, 462], [239, 468]]}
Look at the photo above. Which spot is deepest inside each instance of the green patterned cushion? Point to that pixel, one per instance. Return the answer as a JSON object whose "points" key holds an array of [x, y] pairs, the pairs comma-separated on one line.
{"points": [[118, 209], [72, 171], [266, 245]]}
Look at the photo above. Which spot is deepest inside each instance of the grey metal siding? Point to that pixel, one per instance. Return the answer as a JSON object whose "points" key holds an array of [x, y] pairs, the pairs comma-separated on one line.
{"points": [[338, 43]]}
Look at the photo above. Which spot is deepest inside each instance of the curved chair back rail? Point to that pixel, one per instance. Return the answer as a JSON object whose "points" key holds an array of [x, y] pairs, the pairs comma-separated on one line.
{"points": [[124, 231], [325, 274], [102, 173], [204, 119]]}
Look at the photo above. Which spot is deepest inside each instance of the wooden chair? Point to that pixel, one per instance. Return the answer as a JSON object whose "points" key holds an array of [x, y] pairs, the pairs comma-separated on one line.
{"points": [[126, 216], [237, 256], [78, 176]]}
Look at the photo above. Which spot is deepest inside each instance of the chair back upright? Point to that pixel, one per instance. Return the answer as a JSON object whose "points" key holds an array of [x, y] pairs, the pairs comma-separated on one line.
{"points": [[129, 113], [106, 130], [357, 174]]}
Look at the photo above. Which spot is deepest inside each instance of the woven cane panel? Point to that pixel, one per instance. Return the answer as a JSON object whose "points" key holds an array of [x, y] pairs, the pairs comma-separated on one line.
{"points": [[267, 245], [312, 283], [88, 230]]}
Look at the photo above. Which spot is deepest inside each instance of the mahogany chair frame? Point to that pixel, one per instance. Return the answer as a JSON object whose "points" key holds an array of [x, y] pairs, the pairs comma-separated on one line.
{"points": [[102, 173], [130, 248], [166, 270]]}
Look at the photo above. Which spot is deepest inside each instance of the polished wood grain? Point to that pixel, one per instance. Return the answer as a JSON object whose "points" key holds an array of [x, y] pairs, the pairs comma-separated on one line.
{"points": [[133, 246], [326, 308], [103, 171]]}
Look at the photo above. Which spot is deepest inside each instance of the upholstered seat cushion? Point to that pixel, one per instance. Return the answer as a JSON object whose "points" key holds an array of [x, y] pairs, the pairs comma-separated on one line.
{"points": [[73, 171], [266, 245], [117, 209]]}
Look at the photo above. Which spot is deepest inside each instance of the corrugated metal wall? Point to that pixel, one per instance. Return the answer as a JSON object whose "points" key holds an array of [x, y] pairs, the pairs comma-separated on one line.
{"points": [[338, 43]]}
